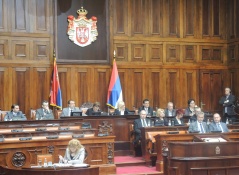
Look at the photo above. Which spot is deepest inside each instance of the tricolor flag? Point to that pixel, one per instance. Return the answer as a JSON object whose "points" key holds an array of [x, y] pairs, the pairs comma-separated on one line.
{"points": [[55, 94], [115, 91]]}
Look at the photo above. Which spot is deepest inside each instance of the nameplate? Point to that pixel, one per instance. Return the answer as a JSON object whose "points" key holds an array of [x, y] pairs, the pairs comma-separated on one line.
{"points": [[63, 128], [25, 138], [17, 130], [52, 137], [76, 136], [235, 130], [173, 132], [102, 135], [40, 129]]}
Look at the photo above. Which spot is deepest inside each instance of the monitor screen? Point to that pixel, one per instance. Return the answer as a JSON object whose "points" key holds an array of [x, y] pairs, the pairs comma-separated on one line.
{"points": [[96, 113], [76, 114]]}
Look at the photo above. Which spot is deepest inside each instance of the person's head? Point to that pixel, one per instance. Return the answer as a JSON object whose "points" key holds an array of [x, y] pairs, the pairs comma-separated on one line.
{"points": [[74, 145], [191, 103], [146, 103], [216, 118], [170, 106], [96, 106], [45, 104], [197, 109], [200, 117], [142, 114], [71, 104], [15, 108], [121, 105], [179, 113], [227, 91], [160, 113]]}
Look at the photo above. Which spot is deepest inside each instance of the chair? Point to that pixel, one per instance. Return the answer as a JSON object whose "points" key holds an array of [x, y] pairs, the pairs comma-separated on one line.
{"points": [[33, 114], [58, 114], [2, 114]]}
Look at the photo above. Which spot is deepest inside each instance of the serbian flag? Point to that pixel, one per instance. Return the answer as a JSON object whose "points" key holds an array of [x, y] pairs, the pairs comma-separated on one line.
{"points": [[55, 94], [115, 91]]}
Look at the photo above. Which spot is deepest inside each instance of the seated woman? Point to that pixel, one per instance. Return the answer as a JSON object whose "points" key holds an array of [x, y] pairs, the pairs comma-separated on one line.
{"points": [[178, 120], [160, 119], [14, 114], [190, 110], [75, 153], [121, 110], [95, 110]]}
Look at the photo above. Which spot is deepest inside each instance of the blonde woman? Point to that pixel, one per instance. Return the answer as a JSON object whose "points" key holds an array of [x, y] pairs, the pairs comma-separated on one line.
{"points": [[75, 153], [121, 110], [160, 119]]}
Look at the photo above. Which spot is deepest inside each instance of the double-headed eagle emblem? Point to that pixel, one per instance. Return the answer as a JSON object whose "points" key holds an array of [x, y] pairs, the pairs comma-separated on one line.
{"points": [[82, 31]]}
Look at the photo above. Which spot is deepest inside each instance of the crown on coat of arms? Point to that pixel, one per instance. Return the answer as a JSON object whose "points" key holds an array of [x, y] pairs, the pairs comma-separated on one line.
{"points": [[82, 12]]}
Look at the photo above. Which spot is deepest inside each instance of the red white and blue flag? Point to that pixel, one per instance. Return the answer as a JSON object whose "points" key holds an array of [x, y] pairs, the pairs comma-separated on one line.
{"points": [[115, 91], [55, 94]]}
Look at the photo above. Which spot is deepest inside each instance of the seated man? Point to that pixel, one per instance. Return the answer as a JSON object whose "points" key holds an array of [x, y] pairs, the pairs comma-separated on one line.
{"points": [[169, 111], [146, 107], [139, 123], [71, 108], [193, 118], [95, 110], [14, 114], [199, 125], [217, 125], [44, 113]]}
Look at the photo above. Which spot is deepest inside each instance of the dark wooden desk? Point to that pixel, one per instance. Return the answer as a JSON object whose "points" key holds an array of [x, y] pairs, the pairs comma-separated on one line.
{"points": [[52, 171], [197, 158]]}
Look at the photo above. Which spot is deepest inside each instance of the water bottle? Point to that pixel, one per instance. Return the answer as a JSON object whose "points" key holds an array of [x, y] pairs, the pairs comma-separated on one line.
{"points": [[169, 122], [149, 124], [208, 122], [45, 162], [172, 123], [227, 122]]}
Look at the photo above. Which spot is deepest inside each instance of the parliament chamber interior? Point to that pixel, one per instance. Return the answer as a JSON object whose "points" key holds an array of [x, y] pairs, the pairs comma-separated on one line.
{"points": [[100, 76]]}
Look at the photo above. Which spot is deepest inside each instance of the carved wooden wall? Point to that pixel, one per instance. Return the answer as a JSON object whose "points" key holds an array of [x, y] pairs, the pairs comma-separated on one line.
{"points": [[166, 50]]}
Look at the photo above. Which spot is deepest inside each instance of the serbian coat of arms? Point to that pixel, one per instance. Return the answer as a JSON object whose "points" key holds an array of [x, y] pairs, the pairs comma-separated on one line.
{"points": [[82, 31]]}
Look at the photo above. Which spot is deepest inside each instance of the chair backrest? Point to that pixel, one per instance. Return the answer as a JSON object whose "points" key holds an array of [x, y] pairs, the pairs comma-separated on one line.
{"points": [[33, 114], [2, 114], [58, 114]]}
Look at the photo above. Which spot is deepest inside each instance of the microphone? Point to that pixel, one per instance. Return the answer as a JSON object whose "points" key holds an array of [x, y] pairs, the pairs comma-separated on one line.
{"points": [[26, 138], [53, 136]]}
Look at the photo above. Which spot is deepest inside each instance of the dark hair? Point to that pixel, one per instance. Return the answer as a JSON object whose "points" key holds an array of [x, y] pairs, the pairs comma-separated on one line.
{"points": [[145, 100], [69, 101], [44, 101], [179, 111], [13, 106], [96, 104], [190, 100]]}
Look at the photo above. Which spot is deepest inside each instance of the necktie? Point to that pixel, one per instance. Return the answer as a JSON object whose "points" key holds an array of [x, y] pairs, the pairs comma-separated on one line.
{"points": [[144, 123], [71, 112], [201, 128], [219, 127]]}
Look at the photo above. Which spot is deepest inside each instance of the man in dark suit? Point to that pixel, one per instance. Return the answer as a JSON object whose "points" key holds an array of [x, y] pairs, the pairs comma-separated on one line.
{"points": [[169, 111], [95, 110], [228, 101], [216, 125], [44, 113], [14, 114], [71, 108], [199, 125], [148, 110], [139, 123]]}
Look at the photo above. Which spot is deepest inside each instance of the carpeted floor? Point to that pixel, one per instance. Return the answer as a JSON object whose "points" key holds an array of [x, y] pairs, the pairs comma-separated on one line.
{"points": [[135, 169], [121, 159]]}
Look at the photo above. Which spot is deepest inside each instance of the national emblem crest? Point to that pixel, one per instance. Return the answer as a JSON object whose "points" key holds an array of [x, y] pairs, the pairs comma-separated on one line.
{"points": [[82, 31]]}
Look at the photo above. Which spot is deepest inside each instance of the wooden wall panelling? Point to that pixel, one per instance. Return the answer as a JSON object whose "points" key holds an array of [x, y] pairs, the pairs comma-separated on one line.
{"points": [[237, 18], [189, 53], [190, 86], [41, 50], [3, 16], [21, 88], [173, 53], [155, 17], [211, 86], [206, 19], [4, 45], [138, 88], [20, 49], [120, 18], [138, 52], [5, 89], [101, 80], [190, 22], [234, 82], [138, 16], [157, 88], [121, 51], [173, 86], [82, 87], [124, 84], [155, 53]]}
